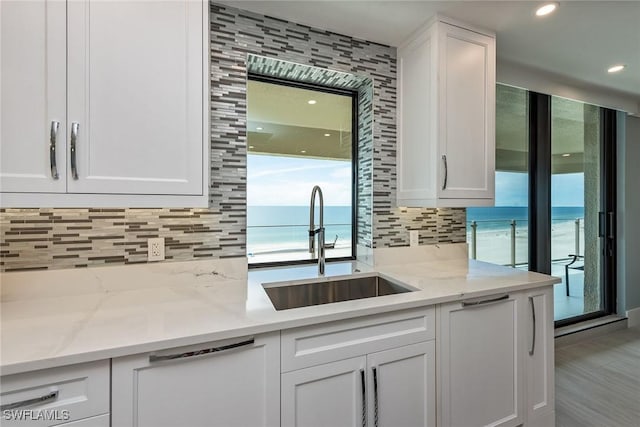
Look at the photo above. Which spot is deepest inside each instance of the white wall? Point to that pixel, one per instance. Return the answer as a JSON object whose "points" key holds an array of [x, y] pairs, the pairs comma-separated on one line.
{"points": [[629, 219]]}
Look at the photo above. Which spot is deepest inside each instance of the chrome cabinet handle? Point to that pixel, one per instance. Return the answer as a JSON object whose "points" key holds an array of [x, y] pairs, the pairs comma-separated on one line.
{"points": [[364, 399], [53, 136], [446, 172], [533, 316], [28, 402], [74, 138], [485, 301], [375, 397], [153, 358]]}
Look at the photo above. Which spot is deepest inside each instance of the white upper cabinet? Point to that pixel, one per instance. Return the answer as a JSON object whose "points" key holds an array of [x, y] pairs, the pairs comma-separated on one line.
{"points": [[446, 118], [126, 82], [33, 115]]}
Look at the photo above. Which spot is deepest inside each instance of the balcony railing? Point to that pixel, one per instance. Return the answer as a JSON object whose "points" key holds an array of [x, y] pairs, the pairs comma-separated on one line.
{"points": [[267, 243], [506, 241]]}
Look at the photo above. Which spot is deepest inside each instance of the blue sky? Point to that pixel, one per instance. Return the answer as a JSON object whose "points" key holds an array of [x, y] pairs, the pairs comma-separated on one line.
{"points": [[287, 181]]}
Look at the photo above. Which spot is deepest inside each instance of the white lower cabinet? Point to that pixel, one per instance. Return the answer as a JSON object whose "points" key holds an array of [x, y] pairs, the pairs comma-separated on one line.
{"points": [[225, 383], [404, 386], [490, 363], [491, 373], [332, 394], [392, 387], [75, 395], [480, 363], [539, 357]]}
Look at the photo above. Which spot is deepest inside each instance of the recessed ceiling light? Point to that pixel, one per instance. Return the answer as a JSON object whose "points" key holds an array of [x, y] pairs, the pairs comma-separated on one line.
{"points": [[566, 155], [258, 128], [616, 68], [546, 9], [327, 134], [303, 151], [311, 101], [251, 147]]}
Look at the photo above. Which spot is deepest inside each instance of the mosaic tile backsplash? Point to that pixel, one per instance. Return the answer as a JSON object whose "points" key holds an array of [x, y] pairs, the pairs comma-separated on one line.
{"points": [[67, 238]]}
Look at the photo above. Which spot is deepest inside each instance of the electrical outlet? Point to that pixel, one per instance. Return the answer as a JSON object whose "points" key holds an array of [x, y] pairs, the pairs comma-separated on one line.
{"points": [[155, 249], [414, 238]]}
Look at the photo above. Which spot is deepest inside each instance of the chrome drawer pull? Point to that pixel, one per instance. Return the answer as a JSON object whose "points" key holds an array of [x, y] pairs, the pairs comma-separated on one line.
{"points": [[52, 149], [153, 358], [533, 315], [484, 301], [446, 172], [375, 397], [364, 399], [42, 399], [74, 139]]}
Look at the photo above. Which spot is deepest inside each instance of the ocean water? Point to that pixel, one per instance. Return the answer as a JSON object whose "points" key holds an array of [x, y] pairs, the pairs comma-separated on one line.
{"points": [[272, 229], [277, 229], [496, 217]]}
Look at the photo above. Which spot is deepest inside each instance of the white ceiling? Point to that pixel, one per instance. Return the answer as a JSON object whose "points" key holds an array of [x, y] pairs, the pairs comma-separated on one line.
{"points": [[286, 105], [579, 41], [280, 121]]}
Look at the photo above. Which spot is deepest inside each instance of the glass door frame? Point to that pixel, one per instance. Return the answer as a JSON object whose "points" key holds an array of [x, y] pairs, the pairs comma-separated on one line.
{"points": [[540, 200]]}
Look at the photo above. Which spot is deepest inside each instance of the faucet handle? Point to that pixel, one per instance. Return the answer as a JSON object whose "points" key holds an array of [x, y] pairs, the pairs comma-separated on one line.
{"points": [[331, 245]]}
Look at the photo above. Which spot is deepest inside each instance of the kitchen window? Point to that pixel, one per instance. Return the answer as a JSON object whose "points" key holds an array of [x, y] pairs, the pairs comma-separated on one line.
{"points": [[299, 136]]}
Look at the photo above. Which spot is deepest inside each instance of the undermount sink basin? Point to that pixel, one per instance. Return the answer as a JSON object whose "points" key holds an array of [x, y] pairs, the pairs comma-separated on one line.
{"points": [[316, 292]]}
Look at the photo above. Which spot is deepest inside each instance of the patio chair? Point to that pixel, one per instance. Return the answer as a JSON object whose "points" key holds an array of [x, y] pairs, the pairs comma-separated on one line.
{"points": [[574, 259]]}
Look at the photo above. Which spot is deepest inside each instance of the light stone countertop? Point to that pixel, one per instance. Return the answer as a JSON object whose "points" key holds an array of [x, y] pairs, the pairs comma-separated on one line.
{"points": [[60, 317]]}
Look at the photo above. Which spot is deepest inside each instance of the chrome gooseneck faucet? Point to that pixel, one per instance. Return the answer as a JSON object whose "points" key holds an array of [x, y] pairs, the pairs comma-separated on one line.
{"points": [[319, 231]]}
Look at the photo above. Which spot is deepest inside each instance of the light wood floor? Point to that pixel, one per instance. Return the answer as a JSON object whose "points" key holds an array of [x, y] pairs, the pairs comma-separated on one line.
{"points": [[598, 381]]}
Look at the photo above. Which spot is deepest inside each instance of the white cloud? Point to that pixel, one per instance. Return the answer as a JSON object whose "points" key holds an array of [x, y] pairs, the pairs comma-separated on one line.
{"points": [[280, 181]]}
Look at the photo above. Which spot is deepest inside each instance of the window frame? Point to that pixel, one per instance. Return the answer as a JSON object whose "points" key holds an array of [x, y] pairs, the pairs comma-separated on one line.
{"points": [[353, 94]]}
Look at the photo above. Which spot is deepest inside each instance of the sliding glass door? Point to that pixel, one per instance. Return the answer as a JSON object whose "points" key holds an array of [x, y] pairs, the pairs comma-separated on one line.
{"points": [[555, 193], [575, 203]]}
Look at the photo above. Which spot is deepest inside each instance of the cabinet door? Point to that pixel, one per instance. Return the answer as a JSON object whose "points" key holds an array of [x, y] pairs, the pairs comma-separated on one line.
{"points": [[467, 113], [135, 72], [228, 383], [332, 394], [417, 128], [33, 95], [402, 386], [540, 397], [480, 363]]}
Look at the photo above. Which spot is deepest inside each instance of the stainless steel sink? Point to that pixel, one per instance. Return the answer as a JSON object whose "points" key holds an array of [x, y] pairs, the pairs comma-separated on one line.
{"points": [[305, 294]]}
